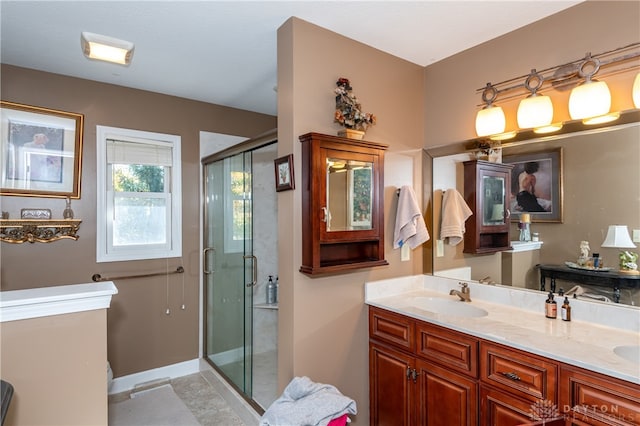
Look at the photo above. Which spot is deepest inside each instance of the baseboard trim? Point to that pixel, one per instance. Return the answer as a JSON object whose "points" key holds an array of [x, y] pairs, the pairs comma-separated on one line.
{"points": [[126, 383]]}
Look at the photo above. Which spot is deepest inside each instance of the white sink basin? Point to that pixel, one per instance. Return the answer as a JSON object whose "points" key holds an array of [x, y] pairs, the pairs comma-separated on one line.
{"points": [[439, 305], [628, 352]]}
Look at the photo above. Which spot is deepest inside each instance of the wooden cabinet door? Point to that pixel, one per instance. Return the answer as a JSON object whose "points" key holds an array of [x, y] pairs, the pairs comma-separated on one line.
{"points": [[445, 398], [501, 409], [390, 386]]}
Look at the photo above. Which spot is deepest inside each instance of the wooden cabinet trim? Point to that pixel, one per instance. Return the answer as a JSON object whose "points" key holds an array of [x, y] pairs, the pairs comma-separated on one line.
{"points": [[393, 328], [597, 399], [527, 375], [448, 348]]}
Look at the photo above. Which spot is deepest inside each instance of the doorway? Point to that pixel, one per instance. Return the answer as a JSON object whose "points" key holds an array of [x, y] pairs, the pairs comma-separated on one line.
{"points": [[239, 256]]}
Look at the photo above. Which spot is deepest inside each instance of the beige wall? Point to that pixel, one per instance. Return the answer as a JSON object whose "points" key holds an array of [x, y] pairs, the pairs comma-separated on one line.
{"points": [[592, 26], [58, 368], [323, 321], [140, 335]]}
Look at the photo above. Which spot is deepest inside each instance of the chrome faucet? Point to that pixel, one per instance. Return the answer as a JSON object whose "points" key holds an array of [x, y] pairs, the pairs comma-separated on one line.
{"points": [[464, 295]]}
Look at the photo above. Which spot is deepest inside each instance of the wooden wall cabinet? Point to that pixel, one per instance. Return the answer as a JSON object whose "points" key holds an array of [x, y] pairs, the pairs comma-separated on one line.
{"points": [[342, 204], [486, 191]]}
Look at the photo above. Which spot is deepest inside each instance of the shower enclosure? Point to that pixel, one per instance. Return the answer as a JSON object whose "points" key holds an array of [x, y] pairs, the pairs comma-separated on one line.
{"points": [[239, 254]]}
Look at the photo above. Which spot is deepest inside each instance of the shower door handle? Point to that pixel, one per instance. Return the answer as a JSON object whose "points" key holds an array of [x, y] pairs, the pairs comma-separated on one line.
{"points": [[204, 260], [254, 269]]}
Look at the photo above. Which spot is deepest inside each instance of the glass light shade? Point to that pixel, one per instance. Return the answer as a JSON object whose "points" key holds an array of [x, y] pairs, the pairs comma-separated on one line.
{"points": [[618, 237], [490, 121], [548, 129], [590, 99], [600, 119], [104, 48], [636, 91], [535, 111]]}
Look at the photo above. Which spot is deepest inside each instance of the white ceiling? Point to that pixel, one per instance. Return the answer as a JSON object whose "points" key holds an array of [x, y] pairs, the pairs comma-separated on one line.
{"points": [[224, 52]]}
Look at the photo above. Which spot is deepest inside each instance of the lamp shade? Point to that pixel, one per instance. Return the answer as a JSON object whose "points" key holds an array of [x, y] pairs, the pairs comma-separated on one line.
{"points": [[535, 111], [636, 91], [590, 99], [490, 121], [618, 237]]}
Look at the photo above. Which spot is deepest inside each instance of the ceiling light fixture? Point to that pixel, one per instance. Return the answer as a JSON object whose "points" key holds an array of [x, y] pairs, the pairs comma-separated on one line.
{"points": [[105, 48], [589, 101]]}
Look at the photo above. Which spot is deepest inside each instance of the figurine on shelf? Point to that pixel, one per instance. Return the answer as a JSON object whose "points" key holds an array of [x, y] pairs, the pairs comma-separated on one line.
{"points": [[584, 253], [68, 213]]}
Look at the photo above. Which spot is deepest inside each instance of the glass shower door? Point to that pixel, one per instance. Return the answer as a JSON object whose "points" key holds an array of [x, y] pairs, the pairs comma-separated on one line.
{"points": [[229, 268]]}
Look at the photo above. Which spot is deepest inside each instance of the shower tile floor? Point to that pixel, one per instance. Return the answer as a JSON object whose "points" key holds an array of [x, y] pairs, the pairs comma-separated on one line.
{"points": [[211, 400]]}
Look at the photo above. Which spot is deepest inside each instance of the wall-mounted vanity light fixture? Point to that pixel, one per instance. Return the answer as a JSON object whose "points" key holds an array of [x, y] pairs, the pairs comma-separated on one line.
{"points": [[590, 99]]}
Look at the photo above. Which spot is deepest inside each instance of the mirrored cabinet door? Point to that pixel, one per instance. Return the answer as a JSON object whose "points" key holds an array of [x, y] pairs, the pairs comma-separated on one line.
{"points": [[342, 204], [485, 192]]}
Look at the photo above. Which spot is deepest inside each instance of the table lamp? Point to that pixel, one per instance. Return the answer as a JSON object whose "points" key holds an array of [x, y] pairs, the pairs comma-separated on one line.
{"points": [[618, 237]]}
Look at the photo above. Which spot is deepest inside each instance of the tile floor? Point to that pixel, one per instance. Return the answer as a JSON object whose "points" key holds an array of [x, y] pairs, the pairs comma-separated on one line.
{"points": [[211, 400]]}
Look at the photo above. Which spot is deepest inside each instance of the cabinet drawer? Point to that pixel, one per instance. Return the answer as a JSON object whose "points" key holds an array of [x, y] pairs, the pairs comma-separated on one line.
{"points": [[453, 350], [591, 398], [522, 374], [392, 328]]}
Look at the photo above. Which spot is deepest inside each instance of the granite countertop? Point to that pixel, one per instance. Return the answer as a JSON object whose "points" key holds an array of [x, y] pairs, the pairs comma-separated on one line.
{"points": [[520, 322]]}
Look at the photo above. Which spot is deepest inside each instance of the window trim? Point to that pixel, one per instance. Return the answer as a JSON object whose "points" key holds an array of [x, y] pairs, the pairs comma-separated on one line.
{"points": [[103, 224]]}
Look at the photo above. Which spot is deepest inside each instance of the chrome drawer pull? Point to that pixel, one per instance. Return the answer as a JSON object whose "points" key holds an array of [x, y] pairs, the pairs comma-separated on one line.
{"points": [[512, 376]]}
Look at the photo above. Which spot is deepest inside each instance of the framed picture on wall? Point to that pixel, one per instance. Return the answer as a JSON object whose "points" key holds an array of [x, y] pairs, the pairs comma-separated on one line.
{"points": [[536, 185], [284, 173], [41, 151]]}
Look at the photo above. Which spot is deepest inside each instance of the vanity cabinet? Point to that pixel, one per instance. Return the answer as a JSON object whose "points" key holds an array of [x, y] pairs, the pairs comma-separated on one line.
{"points": [[342, 204], [425, 374], [486, 191], [420, 374]]}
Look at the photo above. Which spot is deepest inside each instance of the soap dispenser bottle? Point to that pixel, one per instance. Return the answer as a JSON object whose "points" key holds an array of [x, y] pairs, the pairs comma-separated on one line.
{"points": [[566, 310], [271, 291], [551, 307]]}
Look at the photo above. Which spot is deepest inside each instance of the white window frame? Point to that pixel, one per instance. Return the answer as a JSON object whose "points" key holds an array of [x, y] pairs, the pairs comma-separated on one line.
{"points": [[105, 252]]}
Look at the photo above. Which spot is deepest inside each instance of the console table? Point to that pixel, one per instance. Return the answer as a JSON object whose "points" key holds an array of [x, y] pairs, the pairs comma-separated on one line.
{"points": [[610, 278]]}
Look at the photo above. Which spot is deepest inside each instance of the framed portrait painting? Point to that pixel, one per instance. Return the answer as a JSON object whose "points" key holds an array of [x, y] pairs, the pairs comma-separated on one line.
{"points": [[536, 185], [284, 173], [40, 151]]}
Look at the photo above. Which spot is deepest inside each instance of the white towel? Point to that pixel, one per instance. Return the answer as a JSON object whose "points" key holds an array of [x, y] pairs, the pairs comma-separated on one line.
{"points": [[410, 227], [304, 402], [454, 213]]}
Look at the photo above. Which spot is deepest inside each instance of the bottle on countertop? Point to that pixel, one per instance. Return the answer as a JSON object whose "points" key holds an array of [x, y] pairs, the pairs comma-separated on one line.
{"points": [[566, 310], [551, 307], [271, 291], [277, 289]]}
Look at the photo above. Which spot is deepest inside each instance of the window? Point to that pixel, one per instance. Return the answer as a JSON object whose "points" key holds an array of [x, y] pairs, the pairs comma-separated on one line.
{"points": [[139, 195]]}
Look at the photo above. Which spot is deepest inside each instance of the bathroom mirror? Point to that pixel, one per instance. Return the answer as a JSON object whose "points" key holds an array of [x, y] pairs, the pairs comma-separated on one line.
{"points": [[349, 194], [601, 187]]}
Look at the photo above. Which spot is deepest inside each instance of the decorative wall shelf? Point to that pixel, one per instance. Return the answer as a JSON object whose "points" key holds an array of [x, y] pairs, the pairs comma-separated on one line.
{"points": [[19, 231]]}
